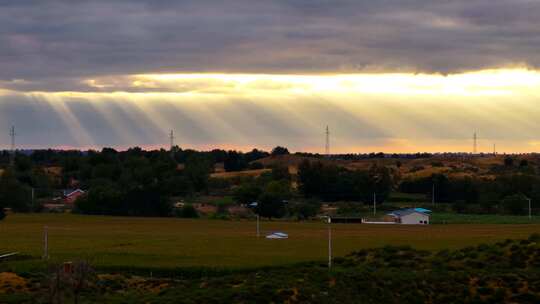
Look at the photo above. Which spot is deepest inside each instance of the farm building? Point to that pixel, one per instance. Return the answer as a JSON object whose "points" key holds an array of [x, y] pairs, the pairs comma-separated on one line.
{"points": [[204, 208], [70, 196], [410, 216]]}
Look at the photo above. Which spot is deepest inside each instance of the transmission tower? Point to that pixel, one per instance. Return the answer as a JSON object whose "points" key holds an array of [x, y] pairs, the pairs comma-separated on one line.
{"points": [[474, 143], [171, 138], [12, 151], [327, 146]]}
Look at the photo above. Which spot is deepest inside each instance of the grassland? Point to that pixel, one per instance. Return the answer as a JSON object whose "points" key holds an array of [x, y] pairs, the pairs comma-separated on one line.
{"points": [[170, 242], [236, 174], [453, 218]]}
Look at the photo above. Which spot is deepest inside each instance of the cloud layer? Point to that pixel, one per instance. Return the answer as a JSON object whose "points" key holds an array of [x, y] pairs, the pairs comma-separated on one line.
{"points": [[57, 44], [385, 75]]}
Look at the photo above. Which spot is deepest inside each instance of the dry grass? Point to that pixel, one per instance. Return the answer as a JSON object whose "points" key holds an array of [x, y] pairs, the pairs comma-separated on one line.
{"points": [[11, 282], [252, 173]]}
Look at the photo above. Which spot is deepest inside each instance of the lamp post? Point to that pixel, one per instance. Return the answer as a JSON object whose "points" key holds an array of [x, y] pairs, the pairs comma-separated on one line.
{"points": [[329, 242], [530, 210], [433, 195], [374, 203], [45, 243], [258, 227]]}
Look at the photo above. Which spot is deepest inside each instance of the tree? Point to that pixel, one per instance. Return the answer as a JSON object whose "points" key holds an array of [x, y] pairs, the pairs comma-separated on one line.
{"points": [[177, 185], [306, 210], [197, 170], [508, 161], [247, 193], [332, 183], [280, 189], [515, 204], [310, 178], [271, 205], [188, 211], [442, 187], [272, 201], [382, 182], [234, 161], [146, 201], [255, 155], [280, 172], [14, 194], [280, 151], [23, 163], [102, 199]]}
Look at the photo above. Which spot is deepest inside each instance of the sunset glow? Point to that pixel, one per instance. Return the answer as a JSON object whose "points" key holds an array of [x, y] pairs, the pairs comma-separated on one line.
{"points": [[391, 112]]}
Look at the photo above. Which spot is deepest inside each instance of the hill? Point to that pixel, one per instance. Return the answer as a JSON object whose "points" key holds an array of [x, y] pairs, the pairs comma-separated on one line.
{"points": [[484, 166]]}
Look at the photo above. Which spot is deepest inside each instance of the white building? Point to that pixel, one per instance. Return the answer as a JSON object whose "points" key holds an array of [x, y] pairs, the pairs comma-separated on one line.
{"points": [[410, 217]]}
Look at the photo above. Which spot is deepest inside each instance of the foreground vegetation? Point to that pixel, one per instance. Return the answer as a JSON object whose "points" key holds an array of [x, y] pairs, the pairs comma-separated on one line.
{"points": [[504, 272]]}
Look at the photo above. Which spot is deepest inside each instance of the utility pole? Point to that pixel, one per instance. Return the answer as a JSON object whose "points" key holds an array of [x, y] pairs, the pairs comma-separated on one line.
{"points": [[474, 143], [327, 146], [12, 135], [258, 227], [45, 243], [33, 195], [494, 149], [329, 242], [530, 210], [171, 138], [433, 195], [374, 203]]}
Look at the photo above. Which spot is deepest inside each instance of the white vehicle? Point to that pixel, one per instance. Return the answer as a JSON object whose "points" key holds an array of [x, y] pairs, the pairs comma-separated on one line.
{"points": [[277, 235]]}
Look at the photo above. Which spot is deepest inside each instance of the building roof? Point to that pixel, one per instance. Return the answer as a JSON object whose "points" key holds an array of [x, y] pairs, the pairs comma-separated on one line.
{"points": [[404, 212], [422, 210], [69, 192]]}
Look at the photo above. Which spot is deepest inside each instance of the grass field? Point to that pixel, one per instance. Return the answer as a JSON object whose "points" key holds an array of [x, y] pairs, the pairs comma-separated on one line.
{"points": [[453, 218], [170, 242]]}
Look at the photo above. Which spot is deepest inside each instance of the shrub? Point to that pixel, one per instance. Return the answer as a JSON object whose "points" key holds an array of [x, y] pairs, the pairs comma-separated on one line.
{"points": [[515, 204], [256, 166], [187, 211], [437, 164]]}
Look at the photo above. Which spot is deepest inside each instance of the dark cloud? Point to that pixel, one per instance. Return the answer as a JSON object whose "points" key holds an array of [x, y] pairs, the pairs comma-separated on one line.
{"points": [[58, 43]]}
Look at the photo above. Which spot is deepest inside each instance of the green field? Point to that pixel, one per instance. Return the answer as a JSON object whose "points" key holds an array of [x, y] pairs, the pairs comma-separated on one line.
{"points": [[453, 218], [170, 242]]}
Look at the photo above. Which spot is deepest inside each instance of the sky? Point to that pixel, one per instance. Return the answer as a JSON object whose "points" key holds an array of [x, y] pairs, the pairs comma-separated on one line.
{"points": [[391, 76]]}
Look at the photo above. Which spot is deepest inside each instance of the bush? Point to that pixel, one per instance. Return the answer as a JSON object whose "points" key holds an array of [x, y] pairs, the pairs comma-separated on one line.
{"points": [[515, 204], [416, 168], [306, 210], [187, 211], [247, 193], [256, 166], [271, 205]]}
